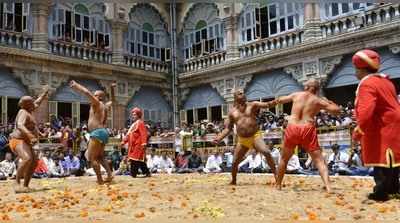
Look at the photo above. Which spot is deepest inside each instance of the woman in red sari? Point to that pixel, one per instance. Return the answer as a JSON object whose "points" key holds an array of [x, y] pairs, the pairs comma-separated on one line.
{"points": [[137, 141]]}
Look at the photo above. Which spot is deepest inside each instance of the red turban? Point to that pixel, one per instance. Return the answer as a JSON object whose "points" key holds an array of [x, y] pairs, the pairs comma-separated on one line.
{"points": [[137, 111], [368, 59]]}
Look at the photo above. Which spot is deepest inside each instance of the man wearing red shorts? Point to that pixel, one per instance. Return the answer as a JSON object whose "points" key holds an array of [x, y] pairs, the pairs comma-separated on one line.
{"points": [[301, 130], [377, 113]]}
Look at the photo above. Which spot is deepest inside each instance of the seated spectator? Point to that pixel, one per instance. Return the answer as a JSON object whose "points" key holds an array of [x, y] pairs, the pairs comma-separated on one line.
{"points": [[41, 168], [338, 160], [165, 164], [294, 166], [355, 164], [252, 164], [228, 160], [275, 152], [7, 167], [213, 164], [123, 167], [71, 165], [182, 163], [195, 162], [152, 161], [52, 169]]}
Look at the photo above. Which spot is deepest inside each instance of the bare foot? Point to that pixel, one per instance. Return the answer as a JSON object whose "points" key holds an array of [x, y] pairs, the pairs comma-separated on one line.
{"points": [[19, 190], [109, 179]]}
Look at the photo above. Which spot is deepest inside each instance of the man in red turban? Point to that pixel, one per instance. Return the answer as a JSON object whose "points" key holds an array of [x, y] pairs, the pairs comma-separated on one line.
{"points": [[137, 141], [377, 111]]}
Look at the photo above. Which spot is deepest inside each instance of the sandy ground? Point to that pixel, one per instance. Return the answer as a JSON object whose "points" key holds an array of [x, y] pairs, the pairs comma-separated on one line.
{"points": [[195, 197]]}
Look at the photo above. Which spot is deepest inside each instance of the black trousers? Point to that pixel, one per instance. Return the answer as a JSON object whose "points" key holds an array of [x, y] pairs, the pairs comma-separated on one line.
{"points": [[386, 180], [136, 165]]}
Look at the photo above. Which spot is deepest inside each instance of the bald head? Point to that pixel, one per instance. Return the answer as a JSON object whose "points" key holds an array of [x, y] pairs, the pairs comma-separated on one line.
{"points": [[26, 102], [100, 95], [312, 85]]}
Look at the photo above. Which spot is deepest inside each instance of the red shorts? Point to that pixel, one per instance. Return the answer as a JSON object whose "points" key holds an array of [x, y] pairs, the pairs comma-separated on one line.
{"points": [[304, 135]]}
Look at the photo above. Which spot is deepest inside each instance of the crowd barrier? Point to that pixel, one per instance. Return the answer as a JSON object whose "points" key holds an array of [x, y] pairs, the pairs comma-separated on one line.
{"points": [[327, 136]]}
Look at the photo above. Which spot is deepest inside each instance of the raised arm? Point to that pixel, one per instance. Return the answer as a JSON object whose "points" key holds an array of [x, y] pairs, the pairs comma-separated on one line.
{"points": [[228, 128], [42, 96], [81, 89], [329, 106], [284, 99], [112, 95], [258, 105]]}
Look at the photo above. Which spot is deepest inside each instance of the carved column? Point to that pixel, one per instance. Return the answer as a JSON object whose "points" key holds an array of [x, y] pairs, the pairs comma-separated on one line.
{"points": [[119, 27], [231, 34], [312, 21], [124, 92], [40, 14]]}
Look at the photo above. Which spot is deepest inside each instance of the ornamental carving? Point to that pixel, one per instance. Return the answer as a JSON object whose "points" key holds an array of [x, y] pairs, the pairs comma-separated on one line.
{"points": [[296, 71], [310, 68], [184, 94], [132, 89], [241, 82], [327, 65], [57, 79], [28, 77]]}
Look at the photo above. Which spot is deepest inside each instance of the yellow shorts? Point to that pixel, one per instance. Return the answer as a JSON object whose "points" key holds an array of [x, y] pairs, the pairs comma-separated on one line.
{"points": [[249, 141]]}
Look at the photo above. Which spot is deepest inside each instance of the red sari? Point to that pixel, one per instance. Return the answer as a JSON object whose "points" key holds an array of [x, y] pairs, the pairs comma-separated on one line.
{"points": [[137, 140]]}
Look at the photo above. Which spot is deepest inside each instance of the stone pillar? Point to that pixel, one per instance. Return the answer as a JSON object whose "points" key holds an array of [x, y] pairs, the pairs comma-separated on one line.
{"points": [[231, 34], [312, 22], [40, 14], [119, 27]]}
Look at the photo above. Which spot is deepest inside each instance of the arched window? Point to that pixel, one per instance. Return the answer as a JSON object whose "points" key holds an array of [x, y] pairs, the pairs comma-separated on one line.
{"points": [[79, 26], [146, 35], [332, 10], [14, 16], [205, 37], [257, 22]]}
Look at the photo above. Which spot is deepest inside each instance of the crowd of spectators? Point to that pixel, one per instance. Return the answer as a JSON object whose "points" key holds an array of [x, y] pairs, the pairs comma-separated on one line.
{"points": [[70, 160]]}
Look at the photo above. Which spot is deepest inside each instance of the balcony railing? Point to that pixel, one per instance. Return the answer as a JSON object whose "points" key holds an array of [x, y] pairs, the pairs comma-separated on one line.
{"points": [[146, 63], [16, 39], [202, 62], [374, 16], [266, 45], [69, 49]]}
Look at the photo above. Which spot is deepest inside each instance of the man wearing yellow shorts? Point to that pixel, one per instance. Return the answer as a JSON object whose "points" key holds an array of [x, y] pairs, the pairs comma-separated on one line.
{"points": [[243, 115]]}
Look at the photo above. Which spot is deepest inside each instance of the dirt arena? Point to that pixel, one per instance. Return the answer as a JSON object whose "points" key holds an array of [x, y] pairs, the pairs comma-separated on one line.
{"points": [[194, 197]]}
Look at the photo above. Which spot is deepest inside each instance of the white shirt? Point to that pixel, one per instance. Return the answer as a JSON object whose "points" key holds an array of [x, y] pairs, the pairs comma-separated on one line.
{"points": [[165, 163], [152, 161], [293, 163], [229, 159], [213, 162], [340, 159], [253, 162], [7, 167]]}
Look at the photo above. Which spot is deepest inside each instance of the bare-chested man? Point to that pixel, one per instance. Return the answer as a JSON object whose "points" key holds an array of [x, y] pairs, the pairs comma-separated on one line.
{"points": [[244, 115], [22, 139], [97, 127], [301, 130]]}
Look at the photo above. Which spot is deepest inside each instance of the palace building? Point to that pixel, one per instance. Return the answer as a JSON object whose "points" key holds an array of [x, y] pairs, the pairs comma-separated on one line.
{"points": [[182, 61]]}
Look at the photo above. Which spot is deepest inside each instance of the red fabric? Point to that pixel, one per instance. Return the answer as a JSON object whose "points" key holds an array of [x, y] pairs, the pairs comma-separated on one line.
{"points": [[378, 115], [366, 59], [303, 135], [137, 139], [41, 167]]}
